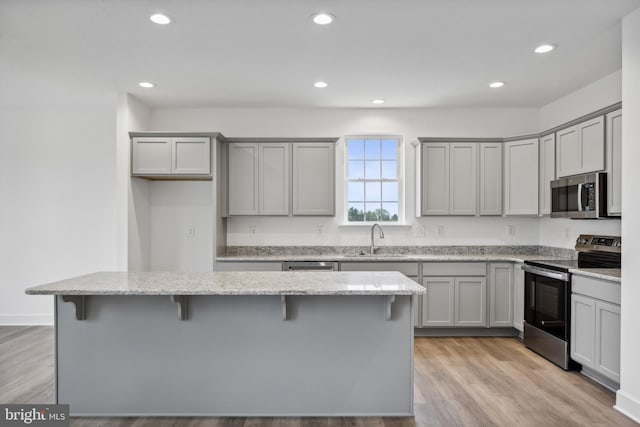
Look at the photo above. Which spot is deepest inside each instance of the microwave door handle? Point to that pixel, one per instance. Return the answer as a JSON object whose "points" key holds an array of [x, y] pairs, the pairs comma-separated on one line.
{"points": [[580, 197]]}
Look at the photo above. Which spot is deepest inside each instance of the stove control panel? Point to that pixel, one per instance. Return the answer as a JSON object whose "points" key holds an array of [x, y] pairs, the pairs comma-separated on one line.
{"points": [[588, 242]]}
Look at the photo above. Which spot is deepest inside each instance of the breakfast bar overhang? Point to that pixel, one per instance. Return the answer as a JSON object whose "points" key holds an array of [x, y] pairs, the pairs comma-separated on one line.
{"points": [[234, 343]]}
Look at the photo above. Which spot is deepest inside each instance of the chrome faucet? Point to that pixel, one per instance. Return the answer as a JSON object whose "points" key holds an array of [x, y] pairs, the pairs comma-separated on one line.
{"points": [[372, 248]]}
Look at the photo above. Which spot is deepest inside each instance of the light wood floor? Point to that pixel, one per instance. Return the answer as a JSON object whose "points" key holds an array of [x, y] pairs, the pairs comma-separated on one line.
{"points": [[459, 382]]}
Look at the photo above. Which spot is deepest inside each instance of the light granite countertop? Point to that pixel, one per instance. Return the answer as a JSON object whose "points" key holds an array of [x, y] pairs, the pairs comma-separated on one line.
{"points": [[612, 274], [233, 283], [387, 258]]}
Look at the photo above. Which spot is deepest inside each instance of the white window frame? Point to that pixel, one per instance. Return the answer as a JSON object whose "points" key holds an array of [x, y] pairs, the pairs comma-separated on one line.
{"points": [[401, 180]]}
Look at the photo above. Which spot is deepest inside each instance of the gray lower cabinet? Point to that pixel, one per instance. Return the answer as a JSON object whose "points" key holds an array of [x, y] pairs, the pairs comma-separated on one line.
{"points": [[595, 328], [438, 303], [456, 294], [313, 178], [501, 295], [409, 269], [518, 297], [470, 305]]}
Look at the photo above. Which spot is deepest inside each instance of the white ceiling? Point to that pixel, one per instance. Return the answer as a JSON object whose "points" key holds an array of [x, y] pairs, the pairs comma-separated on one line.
{"points": [[412, 53]]}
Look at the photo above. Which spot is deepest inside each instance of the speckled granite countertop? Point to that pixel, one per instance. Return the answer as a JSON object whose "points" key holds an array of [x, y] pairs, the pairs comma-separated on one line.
{"points": [[612, 274], [387, 258], [233, 283]]}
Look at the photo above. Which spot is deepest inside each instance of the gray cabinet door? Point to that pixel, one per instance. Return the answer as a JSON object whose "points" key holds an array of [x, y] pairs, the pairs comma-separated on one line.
{"points": [[470, 301], [568, 152], [521, 177], [583, 327], [437, 303], [151, 156], [592, 146], [463, 178], [607, 339], [243, 178], [501, 295], [313, 179], [518, 297], [274, 179], [191, 156], [614, 163], [547, 171], [435, 179], [248, 266], [490, 179]]}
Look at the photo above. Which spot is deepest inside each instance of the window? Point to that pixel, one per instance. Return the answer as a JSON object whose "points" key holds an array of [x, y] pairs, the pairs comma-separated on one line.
{"points": [[373, 179]]}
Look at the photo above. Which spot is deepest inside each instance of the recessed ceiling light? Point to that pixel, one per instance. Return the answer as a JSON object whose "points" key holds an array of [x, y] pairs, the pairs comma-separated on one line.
{"points": [[320, 85], [322, 18], [496, 84], [378, 101], [544, 48], [159, 18], [146, 85]]}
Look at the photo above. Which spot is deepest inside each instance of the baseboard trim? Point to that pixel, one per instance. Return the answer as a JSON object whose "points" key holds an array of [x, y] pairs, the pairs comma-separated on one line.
{"points": [[26, 319], [465, 332], [627, 406]]}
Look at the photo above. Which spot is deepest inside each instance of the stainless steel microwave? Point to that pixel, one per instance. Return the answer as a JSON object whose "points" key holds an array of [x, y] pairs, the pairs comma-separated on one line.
{"points": [[580, 196]]}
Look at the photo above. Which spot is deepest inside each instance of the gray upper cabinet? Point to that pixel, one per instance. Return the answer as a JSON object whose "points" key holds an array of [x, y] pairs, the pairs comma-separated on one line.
{"points": [[521, 177], [435, 179], [490, 179], [463, 178], [313, 178], [614, 163], [547, 171], [273, 171], [580, 148], [191, 156], [449, 178], [166, 156], [501, 295], [244, 198]]}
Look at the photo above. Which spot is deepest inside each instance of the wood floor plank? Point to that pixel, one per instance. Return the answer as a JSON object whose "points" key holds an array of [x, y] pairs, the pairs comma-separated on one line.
{"points": [[458, 382]]}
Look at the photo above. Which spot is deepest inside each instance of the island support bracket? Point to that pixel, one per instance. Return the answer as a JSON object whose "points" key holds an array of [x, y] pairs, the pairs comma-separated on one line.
{"points": [[183, 306], [387, 301], [79, 302], [285, 314]]}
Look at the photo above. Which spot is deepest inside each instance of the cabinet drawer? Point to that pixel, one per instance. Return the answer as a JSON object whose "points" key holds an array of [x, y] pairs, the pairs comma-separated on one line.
{"points": [[596, 288], [248, 266], [454, 269], [406, 268]]}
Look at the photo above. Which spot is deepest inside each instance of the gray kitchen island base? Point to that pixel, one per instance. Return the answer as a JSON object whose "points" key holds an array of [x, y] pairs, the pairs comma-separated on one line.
{"points": [[235, 355]]}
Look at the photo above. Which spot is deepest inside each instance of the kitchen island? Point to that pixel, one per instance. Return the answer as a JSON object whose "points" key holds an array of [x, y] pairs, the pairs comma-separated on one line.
{"points": [[234, 343]]}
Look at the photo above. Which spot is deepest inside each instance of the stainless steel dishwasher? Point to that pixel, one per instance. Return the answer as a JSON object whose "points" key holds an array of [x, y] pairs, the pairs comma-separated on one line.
{"points": [[309, 266]]}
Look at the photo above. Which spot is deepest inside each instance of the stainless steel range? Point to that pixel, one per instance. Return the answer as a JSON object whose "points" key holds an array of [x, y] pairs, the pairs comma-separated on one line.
{"points": [[547, 298]]}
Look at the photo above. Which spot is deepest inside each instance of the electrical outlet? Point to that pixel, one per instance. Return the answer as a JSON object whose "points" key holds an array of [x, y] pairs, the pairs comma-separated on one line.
{"points": [[511, 230], [252, 229], [418, 230], [191, 232], [319, 230], [440, 231]]}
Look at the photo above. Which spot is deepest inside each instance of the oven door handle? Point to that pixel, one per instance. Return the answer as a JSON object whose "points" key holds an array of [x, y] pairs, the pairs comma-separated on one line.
{"points": [[546, 273]]}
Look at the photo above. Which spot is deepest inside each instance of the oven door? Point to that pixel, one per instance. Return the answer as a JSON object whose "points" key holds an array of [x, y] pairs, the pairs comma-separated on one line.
{"points": [[546, 301], [578, 196]]}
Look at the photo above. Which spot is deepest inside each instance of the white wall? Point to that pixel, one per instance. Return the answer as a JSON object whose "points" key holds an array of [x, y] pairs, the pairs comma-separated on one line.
{"points": [[175, 207], [628, 397], [597, 95], [411, 123], [57, 201]]}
